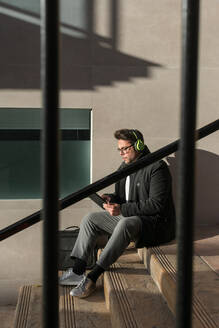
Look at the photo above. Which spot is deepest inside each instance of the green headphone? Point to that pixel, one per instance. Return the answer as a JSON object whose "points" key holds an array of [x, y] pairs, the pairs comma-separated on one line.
{"points": [[139, 144]]}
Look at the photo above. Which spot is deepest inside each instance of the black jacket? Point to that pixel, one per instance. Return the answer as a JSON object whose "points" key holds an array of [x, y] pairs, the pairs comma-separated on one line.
{"points": [[150, 198]]}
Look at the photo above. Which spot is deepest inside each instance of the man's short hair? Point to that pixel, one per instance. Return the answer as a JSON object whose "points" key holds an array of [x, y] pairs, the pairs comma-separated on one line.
{"points": [[128, 134]]}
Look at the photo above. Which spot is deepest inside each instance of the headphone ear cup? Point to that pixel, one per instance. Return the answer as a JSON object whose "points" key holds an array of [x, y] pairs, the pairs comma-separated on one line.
{"points": [[139, 145]]}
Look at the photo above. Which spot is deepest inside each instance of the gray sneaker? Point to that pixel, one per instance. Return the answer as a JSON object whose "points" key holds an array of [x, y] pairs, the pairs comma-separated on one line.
{"points": [[84, 288], [70, 278]]}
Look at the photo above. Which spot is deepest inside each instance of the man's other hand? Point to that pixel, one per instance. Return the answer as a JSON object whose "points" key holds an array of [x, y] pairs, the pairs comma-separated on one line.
{"points": [[113, 209]]}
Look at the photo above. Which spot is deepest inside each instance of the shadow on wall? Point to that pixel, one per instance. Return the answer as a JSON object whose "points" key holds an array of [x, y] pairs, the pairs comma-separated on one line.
{"points": [[207, 186], [88, 60]]}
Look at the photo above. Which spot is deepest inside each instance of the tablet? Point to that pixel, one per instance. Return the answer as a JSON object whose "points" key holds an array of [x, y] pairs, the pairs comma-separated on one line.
{"points": [[97, 199]]}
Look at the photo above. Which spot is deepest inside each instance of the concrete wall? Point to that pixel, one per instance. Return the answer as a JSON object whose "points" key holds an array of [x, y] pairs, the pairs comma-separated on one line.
{"points": [[130, 78]]}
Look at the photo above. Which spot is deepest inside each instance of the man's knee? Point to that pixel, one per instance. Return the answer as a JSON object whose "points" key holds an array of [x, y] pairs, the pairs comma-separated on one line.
{"points": [[123, 224], [87, 219], [90, 218], [130, 225]]}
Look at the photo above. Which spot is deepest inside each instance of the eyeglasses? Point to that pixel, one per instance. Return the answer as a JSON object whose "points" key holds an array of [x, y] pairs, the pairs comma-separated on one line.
{"points": [[124, 150]]}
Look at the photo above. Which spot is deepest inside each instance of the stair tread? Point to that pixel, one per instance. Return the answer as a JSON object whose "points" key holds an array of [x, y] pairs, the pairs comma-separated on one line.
{"points": [[7, 315], [161, 262], [132, 297], [206, 245], [83, 313], [74, 312]]}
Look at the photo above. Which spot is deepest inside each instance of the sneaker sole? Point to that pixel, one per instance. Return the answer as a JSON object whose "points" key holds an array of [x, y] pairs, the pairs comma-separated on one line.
{"points": [[69, 283], [85, 295]]}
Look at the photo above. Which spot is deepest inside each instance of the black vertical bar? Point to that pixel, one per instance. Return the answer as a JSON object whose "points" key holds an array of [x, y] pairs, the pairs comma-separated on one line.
{"points": [[50, 155], [114, 22], [90, 19], [185, 208]]}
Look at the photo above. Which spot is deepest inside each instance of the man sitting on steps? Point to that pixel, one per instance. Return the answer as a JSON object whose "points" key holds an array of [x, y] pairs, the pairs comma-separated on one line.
{"points": [[140, 210]]}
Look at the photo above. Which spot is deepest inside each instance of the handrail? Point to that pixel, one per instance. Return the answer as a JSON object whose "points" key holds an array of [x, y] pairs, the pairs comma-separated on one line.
{"points": [[107, 181]]}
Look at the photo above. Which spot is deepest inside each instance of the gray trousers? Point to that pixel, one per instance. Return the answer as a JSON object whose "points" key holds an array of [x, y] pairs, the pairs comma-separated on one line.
{"points": [[121, 230]]}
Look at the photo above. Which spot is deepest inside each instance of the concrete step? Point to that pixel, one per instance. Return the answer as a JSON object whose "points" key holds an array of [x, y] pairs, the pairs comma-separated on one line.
{"points": [[132, 301], [161, 263], [132, 297], [28, 310], [7, 315], [74, 313], [140, 291], [84, 313]]}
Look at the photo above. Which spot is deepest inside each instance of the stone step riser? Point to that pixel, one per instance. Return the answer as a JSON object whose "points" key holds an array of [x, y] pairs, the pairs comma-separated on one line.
{"points": [[132, 297], [163, 273]]}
